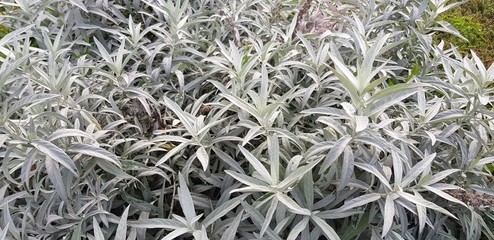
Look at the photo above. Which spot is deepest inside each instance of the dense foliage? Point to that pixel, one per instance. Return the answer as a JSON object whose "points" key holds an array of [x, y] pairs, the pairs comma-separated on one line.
{"points": [[244, 119]]}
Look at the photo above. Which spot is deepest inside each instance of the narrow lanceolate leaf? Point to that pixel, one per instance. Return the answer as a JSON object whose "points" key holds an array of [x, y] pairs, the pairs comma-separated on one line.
{"points": [[359, 201], [76, 233], [440, 176], [365, 73], [444, 195], [274, 157], [257, 218], [347, 168], [389, 212], [374, 171], [269, 215], [424, 203], [185, 199], [95, 152], [172, 153], [222, 210], [292, 205], [326, 229], [4, 231], [296, 175], [232, 230], [334, 214], [55, 177], [156, 223], [121, 233], [335, 152], [111, 168], [63, 133], [417, 170], [177, 232], [57, 154], [257, 165], [98, 234], [389, 97], [295, 231], [200, 234], [184, 117]]}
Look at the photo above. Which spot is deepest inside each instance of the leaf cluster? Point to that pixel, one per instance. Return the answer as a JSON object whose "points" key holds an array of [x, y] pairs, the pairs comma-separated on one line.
{"points": [[218, 119]]}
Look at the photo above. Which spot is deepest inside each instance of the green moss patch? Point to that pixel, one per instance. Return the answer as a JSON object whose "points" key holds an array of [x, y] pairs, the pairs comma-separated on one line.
{"points": [[474, 20]]}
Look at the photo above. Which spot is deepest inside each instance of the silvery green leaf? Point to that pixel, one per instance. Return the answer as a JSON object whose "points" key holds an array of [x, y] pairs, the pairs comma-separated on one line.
{"points": [[200, 234], [344, 73], [444, 195], [296, 175], [185, 199], [177, 232], [480, 162], [3, 138], [98, 234], [121, 233], [228, 160], [347, 168], [484, 190], [361, 123], [55, 153], [440, 176], [448, 28], [258, 166], [259, 219], [333, 214], [424, 203], [390, 96], [172, 152], [31, 100], [254, 189], [156, 223], [63, 133], [111, 168], [76, 233], [417, 170], [253, 132], [4, 231], [274, 157], [335, 152], [269, 215], [349, 108], [222, 210], [95, 152], [186, 119], [102, 50], [292, 137], [335, 112], [295, 231], [56, 177], [292, 205], [232, 230], [359, 201], [374, 171], [389, 212], [365, 72], [79, 4], [253, 183], [203, 157], [328, 230], [242, 104]]}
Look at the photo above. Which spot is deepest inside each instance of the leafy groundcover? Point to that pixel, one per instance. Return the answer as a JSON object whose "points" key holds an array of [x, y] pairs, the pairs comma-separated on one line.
{"points": [[241, 119]]}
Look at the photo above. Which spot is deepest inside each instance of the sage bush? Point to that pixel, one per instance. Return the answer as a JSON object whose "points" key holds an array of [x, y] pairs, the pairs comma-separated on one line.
{"points": [[242, 119]]}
